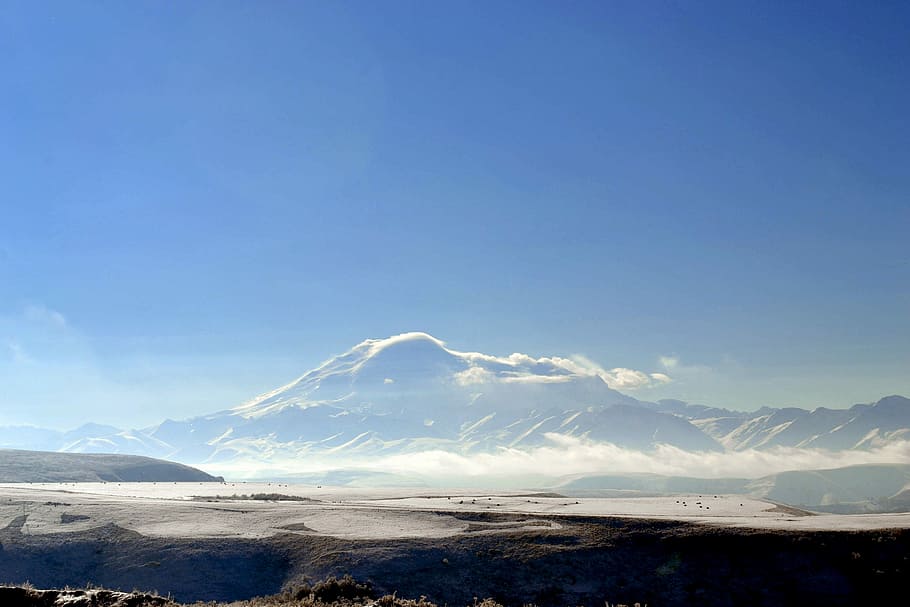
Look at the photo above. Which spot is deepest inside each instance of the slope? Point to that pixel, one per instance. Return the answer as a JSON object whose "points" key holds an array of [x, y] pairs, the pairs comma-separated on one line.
{"points": [[17, 466]]}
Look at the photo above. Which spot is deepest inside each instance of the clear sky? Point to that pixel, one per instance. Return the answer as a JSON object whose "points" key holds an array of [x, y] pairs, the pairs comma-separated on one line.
{"points": [[200, 201]]}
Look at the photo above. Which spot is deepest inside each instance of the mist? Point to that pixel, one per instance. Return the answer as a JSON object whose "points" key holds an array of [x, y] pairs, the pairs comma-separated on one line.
{"points": [[563, 458]]}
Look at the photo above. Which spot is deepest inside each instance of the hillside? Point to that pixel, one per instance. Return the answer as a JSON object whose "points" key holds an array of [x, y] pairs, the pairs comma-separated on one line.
{"points": [[17, 466]]}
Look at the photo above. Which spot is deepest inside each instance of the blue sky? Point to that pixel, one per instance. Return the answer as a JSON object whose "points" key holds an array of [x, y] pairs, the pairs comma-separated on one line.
{"points": [[199, 202]]}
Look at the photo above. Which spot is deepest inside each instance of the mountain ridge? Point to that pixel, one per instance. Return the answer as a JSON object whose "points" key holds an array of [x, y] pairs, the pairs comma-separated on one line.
{"points": [[410, 392]]}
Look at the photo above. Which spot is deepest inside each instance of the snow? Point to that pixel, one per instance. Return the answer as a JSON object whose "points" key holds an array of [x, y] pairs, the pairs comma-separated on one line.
{"points": [[386, 398], [192, 510]]}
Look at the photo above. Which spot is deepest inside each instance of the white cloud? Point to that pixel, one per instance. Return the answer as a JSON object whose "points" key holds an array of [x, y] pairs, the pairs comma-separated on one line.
{"points": [[518, 367], [565, 455], [388, 380], [669, 362], [661, 378], [18, 353], [41, 314], [626, 379], [514, 368], [618, 378], [37, 333], [374, 346], [474, 375], [673, 364]]}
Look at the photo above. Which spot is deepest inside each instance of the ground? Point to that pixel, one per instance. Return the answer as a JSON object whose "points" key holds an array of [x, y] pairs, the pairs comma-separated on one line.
{"points": [[228, 541]]}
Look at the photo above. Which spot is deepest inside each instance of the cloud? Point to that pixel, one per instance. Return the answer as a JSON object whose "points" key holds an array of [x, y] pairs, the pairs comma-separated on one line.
{"points": [[41, 314], [374, 346], [514, 368], [661, 378], [388, 380], [565, 456], [673, 364], [35, 333], [521, 368], [518, 367], [618, 378], [473, 376], [18, 353], [669, 362]]}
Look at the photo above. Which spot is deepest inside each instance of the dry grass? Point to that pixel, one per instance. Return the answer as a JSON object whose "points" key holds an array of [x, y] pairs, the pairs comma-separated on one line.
{"points": [[261, 497], [332, 592]]}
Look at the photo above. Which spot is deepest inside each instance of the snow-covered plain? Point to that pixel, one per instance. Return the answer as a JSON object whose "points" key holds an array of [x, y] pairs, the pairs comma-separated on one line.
{"points": [[208, 510]]}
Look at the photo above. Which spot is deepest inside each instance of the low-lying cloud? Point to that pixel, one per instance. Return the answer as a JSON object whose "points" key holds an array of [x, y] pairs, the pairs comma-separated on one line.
{"points": [[566, 456]]}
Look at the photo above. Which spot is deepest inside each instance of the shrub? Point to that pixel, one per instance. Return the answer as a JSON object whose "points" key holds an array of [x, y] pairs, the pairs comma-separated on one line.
{"points": [[332, 590]]}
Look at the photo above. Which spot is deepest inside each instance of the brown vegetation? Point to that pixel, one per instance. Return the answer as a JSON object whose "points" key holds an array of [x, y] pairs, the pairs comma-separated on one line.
{"points": [[332, 592], [261, 497], [25, 596]]}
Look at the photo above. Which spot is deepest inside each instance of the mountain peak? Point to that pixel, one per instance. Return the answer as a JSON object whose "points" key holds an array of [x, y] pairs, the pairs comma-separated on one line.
{"points": [[374, 346], [411, 391], [895, 400], [415, 344]]}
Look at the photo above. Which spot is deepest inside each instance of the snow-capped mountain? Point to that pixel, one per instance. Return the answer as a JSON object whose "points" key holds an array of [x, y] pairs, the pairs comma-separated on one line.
{"points": [[411, 393], [859, 427]]}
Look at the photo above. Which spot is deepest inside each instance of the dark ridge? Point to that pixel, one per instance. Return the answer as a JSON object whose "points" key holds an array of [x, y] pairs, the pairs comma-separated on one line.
{"points": [[17, 466]]}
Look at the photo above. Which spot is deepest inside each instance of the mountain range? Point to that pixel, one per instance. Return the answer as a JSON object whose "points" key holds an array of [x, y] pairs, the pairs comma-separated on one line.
{"points": [[411, 393]]}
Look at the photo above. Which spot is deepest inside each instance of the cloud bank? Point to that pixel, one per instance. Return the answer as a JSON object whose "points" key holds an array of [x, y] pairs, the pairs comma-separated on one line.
{"points": [[566, 456]]}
